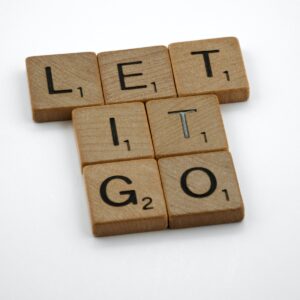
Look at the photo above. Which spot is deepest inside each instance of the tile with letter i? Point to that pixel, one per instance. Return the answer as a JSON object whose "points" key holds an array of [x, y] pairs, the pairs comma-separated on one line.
{"points": [[186, 125], [112, 133], [136, 74], [213, 66], [201, 189], [125, 197], [60, 83]]}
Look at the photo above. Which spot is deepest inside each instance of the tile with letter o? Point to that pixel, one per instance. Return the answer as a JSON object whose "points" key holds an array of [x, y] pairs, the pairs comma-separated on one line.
{"points": [[136, 74], [201, 189], [210, 66], [186, 125], [112, 133], [125, 197], [59, 83]]}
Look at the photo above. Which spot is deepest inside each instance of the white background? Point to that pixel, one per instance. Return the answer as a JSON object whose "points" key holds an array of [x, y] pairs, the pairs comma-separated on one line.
{"points": [[47, 250]]}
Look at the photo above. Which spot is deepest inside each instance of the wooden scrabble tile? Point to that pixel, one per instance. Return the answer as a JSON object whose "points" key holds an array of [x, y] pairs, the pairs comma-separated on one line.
{"points": [[201, 189], [186, 125], [210, 66], [136, 74], [125, 197], [112, 133], [60, 83]]}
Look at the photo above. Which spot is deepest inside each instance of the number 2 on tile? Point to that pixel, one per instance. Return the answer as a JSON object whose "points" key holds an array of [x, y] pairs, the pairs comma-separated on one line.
{"points": [[148, 203]]}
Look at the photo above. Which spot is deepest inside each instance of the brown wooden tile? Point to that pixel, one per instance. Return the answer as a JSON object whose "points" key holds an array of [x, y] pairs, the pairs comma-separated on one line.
{"points": [[60, 83], [125, 197], [136, 74], [112, 133], [186, 125], [201, 189], [210, 66]]}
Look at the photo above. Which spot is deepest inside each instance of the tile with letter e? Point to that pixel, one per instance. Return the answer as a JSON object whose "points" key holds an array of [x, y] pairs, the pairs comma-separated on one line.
{"points": [[201, 189], [186, 125], [136, 74], [210, 66], [125, 197], [112, 133], [60, 83]]}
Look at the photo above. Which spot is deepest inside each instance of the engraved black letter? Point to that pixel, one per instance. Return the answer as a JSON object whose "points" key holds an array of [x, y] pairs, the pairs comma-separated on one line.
{"points": [[122, 76], [206, 60], [114, 132], [103, 192], [211, 176], [51, 89]]}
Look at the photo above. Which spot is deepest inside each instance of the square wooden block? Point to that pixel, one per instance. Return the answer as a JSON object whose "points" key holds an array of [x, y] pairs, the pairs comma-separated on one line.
{"points": [[136, 74], [201, 189], [112, 133], [125, 197], [210, 66], [186, 125], [60, 83]]}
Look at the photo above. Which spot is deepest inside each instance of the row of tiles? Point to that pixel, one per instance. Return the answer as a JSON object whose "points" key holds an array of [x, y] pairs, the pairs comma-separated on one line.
{"points": [[60, 83], [161, 128], [176, 192]]}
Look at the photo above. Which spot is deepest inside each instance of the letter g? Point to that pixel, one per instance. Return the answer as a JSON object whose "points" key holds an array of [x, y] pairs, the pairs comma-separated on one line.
{"points": [[103, 192]]}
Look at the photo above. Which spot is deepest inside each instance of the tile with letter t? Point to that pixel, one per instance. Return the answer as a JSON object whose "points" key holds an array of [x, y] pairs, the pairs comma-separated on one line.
{"points": [[112, 133], [186, 125], [125, 197], [201, 189], [210, 66], [136, 74], [60, 83]]}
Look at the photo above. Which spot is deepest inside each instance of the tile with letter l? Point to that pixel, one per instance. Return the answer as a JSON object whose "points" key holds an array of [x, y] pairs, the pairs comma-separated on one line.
{"points": [[59, 83], [125, 197], [213, 66], [136, 74], [186, 125], [112, 133], [201, 189]]}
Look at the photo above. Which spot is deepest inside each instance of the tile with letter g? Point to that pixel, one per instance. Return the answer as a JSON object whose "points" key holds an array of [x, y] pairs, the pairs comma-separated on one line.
{"points": [[125, 197]]}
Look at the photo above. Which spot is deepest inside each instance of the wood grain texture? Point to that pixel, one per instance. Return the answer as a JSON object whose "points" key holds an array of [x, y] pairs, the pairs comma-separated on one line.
{"points": [[186, 125], [148, 74], [133, 217], [112, 133], [221, 205], [222, 72], [75, 83]]}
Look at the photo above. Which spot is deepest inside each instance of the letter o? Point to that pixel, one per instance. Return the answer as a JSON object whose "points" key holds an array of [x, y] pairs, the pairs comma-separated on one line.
{"points": [[211, 176]]}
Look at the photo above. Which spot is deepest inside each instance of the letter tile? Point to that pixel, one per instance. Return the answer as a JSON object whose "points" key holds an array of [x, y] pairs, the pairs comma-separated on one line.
{"points": [[186, 125], [213, 66], [136, 74], [112, 133], [125, 197], [60, 83], [201, 189]]}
